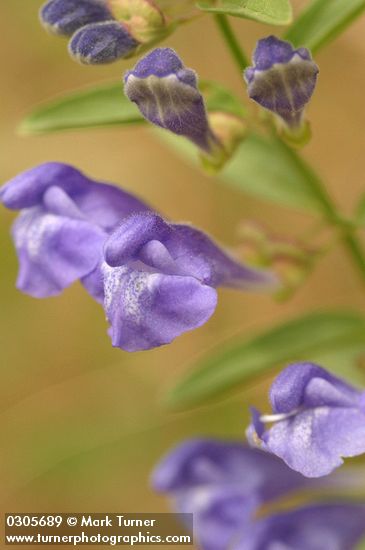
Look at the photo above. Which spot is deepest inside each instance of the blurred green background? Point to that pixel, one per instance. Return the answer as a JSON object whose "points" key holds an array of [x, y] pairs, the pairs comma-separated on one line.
{"points": [[82, 423]]}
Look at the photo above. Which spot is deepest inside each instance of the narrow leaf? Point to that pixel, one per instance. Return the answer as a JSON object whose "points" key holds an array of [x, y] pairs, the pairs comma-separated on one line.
{"points": [[303, 338], [266, 168], [93, 107], [322, 21], [273, 12], [108, 106]]}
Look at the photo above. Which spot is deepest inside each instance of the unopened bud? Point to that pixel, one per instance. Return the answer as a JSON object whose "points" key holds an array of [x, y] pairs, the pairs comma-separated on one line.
{"points": [[291, 260], [143, 18], [283, 80], [229, 130], [254, 243], [167, 94], [64, 17], [100, 43]]}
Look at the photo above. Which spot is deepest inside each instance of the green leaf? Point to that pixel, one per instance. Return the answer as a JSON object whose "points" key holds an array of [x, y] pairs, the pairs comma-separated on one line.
{"points": [[218, 98], [273, 12], [322, 21], [107, 106], [93, 107], [266, 168], [303, 338]]}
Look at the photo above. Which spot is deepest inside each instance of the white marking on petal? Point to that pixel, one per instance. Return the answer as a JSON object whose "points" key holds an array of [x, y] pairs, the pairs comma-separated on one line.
{"points": [[30, 229], [126, 285], [112, 277], [168, 94]]}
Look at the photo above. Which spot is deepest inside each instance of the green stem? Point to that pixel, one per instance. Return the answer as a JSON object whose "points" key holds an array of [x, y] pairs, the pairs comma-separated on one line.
{"points": [[347, 232], [355, 250], [231, 41]]}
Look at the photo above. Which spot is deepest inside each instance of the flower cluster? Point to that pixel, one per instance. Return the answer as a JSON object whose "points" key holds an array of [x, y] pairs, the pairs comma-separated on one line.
{"points": [[155, 279], [225, 483], [317, 419], [167, 94], [103, 31]]}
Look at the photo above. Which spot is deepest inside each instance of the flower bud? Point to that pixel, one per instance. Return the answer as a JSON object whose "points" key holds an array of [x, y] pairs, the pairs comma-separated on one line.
{"points": [[144, 20], [282, 80], [167, 95], [64, 17], [229, 130], [292, 260], [254, 243], [100, 43]]}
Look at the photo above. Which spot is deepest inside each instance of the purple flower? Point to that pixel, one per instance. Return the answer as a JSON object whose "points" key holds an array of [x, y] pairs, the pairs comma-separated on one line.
{"points": [[222, 483], [155, 279], [160, 280], [167, 95], [327, 526], [317, 419], [66, 16], [282, 79], [103, 42], [64, 221]]}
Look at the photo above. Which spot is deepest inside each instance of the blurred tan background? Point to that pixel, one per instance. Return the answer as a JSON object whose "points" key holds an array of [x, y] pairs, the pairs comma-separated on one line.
{"points": [[82, 423]]}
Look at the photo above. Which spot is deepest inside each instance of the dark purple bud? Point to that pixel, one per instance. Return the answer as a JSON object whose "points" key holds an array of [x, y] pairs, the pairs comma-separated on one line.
{"points": [[167, 95], [282, 79], [64, 17], [100, 43]]}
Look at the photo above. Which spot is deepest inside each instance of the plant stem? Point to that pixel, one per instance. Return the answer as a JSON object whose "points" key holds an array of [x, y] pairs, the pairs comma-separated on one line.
{"points": [[227, 32], [347, 231], [331, 214], [355, 251]]}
